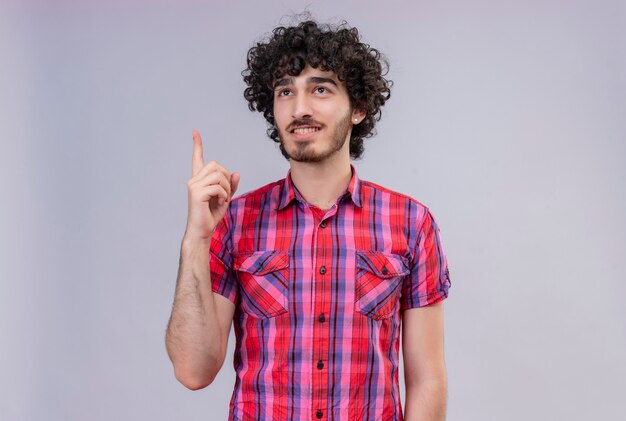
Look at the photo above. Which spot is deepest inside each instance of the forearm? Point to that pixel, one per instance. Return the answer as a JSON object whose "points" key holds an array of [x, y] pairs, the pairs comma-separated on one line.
{"points": [[193, 337], [426, 401]]}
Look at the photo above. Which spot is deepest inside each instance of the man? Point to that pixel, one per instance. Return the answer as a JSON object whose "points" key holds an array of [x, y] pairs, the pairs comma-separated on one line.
{"points": [[317, 271]]}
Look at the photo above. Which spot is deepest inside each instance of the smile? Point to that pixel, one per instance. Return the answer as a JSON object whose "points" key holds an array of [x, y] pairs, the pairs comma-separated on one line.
{"points": [[305, 130]]}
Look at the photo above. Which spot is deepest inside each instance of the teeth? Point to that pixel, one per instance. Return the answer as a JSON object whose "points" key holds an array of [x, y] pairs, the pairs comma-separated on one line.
{"points": [[305, 130]]}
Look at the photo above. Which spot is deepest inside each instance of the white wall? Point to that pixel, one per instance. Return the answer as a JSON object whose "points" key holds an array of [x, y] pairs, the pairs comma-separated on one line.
{"points": [[506, 119]]}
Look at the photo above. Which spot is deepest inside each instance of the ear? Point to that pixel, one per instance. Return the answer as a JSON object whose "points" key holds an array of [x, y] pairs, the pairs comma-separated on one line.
{"points": [[357, 116]]}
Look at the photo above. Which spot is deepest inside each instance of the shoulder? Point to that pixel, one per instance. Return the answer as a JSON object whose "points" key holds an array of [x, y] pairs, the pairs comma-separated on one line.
{"points": [[256, 201], [411, 210], [269, 189], [368, 188]]}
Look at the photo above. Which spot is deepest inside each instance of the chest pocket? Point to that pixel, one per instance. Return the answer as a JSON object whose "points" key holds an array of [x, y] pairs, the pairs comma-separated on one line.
{"points": [[378, 282], [263, 277]]}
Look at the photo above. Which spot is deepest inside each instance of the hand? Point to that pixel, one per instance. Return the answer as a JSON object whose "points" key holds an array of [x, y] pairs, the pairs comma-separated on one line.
{"points": [[210, 189]]}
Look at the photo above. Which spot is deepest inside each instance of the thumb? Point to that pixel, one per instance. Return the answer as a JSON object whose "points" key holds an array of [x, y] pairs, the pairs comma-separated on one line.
{"points": [[234, 183]]}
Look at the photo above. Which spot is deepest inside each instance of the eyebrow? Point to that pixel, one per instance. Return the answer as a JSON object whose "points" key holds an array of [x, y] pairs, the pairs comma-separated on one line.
{"points": [[309, 81]]}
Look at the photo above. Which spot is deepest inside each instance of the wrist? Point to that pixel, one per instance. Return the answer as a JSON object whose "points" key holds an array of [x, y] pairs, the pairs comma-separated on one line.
{"points": [[193, 243]]}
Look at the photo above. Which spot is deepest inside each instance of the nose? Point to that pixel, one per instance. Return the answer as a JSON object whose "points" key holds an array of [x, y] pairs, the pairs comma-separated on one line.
{"points": [[301, 107]]}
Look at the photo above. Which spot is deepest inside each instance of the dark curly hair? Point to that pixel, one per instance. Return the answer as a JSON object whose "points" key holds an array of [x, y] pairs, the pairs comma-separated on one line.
{"points": [[339, 50]]}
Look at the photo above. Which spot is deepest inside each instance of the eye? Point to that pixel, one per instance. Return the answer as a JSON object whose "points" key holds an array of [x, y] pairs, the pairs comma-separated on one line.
{"points": [[284, 92], [321, 90]]}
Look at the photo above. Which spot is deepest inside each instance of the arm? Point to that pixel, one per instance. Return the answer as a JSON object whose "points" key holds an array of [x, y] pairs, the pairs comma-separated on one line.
{"points": [[424, 365], [197, 332], [198, 329]]}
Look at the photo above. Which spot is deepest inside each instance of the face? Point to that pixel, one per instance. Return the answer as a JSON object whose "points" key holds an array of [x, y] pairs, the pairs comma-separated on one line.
{"points": [[313, 115]]}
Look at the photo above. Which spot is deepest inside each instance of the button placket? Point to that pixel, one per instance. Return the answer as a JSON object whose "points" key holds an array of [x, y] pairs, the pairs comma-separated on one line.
{"points": [[322, 299]]}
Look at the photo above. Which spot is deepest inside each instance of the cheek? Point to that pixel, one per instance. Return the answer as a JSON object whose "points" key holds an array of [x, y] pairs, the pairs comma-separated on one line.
{"points": [[280, 116], [334, 110]]}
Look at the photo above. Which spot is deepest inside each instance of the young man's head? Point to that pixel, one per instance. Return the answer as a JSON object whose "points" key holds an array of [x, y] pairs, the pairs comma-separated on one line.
{"points": [[316, 86]]}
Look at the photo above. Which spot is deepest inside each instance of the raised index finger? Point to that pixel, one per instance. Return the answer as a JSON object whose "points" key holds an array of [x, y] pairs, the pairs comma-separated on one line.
{"points": [[197, 161]]}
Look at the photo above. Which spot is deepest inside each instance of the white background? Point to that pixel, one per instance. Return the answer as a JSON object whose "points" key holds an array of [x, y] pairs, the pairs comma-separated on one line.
{"points": [[507, 119]]}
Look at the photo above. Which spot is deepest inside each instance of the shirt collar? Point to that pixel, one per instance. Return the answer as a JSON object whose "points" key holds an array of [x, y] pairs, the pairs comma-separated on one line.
{"points": [[289, 192]]}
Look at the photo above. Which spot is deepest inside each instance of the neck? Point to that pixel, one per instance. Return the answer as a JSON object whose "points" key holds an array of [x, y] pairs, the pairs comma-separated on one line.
{"points": [[321, 183]]}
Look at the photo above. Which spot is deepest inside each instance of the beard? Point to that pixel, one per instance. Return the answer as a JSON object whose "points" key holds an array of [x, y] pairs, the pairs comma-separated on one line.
{"points": [[304, 152]]}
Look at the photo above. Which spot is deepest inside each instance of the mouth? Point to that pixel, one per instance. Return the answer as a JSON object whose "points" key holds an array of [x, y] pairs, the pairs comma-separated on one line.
{"points": [[304, 132], [301, 130]]}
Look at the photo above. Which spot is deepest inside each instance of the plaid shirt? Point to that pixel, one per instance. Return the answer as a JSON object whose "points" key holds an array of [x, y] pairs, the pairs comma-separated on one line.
{"points": [[319, 297]]}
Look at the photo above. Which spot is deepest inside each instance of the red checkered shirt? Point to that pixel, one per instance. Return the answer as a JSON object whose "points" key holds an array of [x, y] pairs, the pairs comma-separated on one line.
{"points": [[319, 297]]}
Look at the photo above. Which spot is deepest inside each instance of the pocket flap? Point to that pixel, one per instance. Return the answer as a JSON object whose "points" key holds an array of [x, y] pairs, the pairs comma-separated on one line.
{"points": [[261, 262], [384, 265]]}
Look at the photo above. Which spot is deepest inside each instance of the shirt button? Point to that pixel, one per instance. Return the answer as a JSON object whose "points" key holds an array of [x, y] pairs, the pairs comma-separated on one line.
{"points": [[320, 364], [385, 271], [319, 414], [321, 318], [323, 270], [323, 224]]}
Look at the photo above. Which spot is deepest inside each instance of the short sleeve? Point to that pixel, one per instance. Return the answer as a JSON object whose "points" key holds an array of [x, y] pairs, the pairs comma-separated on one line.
{"points": [[223, 277], [429, 280]]}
